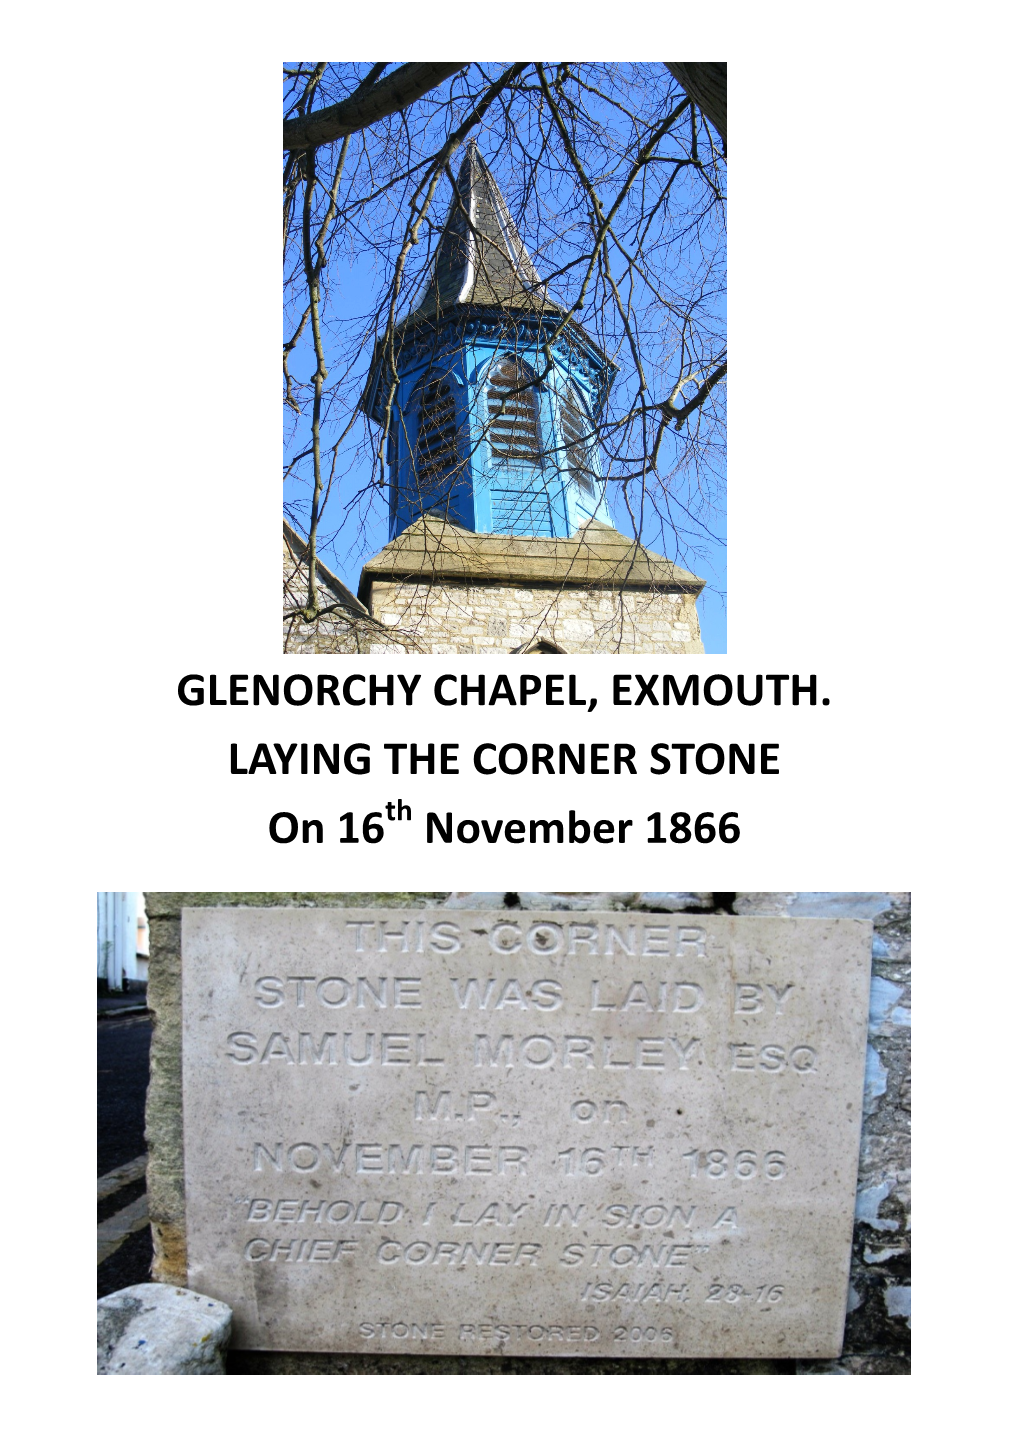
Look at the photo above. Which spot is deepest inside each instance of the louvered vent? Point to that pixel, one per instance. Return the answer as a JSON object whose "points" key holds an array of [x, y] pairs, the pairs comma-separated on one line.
{"points": [[576, 436], [513, 414], [436, 450]]}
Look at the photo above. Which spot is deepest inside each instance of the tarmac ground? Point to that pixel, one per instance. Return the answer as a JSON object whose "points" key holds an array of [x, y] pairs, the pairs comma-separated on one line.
{"points": [[124, 1253]]}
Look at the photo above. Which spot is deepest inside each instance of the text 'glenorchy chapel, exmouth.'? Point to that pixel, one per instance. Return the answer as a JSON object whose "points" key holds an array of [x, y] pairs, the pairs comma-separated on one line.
{"points": [[501, 539]]}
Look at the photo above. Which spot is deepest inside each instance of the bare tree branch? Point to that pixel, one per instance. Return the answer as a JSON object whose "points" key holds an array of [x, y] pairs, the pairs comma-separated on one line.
{"points": [[700, 396], [367, 105]]}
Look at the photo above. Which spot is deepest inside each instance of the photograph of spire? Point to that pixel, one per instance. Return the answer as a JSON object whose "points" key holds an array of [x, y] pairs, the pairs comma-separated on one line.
{"points": [[505, 358]]}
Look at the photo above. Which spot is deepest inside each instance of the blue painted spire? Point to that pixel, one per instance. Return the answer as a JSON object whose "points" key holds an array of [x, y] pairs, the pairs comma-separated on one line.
{"points": [[489, 401]]}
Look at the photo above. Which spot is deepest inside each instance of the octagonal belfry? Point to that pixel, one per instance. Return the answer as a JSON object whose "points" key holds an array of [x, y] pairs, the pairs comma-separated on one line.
{"points": [[489, 398]]}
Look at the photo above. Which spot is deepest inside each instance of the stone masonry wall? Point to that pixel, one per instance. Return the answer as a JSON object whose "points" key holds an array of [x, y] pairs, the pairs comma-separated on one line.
{"points": [[448, 617], [878, 1305]]}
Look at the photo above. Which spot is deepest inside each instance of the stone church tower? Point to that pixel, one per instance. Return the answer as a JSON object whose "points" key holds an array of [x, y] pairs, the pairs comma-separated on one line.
{"points": [[501, 540]]}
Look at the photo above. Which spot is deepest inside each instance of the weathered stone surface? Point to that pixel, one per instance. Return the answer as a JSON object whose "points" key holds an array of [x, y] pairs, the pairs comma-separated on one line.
{"points": [[573, 901], [584, 900], [155, 1329], [863, 904], [163, 1106], [474, 900], [596, 554], [676, 900], [856, 1366], [663, 1165], [451, 617]]}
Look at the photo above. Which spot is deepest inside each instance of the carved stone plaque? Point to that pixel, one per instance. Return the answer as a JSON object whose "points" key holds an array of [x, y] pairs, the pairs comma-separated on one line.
{"points": [[563, 1134]]}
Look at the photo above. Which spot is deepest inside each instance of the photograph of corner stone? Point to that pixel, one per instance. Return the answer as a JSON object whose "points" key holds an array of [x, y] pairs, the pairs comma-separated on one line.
{"points": [[529, 425], [877, 1326]]}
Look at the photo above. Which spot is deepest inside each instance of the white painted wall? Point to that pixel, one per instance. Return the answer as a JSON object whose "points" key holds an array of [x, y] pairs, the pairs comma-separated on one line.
{"points": [[117, 938]]}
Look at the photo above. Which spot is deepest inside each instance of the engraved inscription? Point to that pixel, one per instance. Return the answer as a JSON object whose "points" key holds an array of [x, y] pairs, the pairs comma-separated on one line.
{"points": [[567, 1134]]}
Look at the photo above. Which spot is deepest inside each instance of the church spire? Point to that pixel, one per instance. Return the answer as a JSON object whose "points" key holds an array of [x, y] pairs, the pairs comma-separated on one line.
{"points": [[481, 259]]}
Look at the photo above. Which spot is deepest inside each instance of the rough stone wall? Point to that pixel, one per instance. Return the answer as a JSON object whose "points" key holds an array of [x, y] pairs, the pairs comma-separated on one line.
{"points": [[467, 620], [877, 1336]]}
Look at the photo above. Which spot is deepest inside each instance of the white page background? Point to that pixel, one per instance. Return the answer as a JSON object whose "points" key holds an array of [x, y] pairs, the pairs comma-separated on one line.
{"points": [[871, 295]]}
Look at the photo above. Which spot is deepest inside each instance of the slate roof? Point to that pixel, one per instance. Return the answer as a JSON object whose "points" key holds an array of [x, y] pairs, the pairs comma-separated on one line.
{"points": [[481, 259], [431, 549], [297, 545]]}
